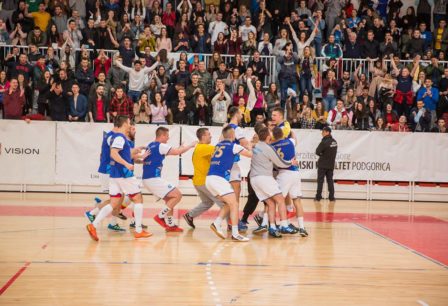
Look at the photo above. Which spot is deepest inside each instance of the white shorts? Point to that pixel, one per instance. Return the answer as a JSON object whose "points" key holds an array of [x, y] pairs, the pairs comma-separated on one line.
{"points": [[158, 186], [265, 187], [235, 173], [218, 186], [104, 181], [290, 183], [127, 186]]}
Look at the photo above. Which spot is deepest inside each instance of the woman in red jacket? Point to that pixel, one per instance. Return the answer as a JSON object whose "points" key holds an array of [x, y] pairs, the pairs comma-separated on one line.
{"points": [[169, 19]]}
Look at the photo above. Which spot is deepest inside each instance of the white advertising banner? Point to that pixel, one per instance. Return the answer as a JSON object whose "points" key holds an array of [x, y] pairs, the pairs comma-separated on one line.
{"points": [[27, 152], [79, 148], [361, 155]]}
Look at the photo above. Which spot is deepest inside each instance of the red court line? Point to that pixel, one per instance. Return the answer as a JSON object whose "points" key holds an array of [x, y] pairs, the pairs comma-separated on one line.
{"points": [[14, 278]]}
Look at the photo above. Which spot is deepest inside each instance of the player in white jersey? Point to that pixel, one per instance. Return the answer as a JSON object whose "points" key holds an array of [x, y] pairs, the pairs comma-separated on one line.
{"points": [[289, 178], [152, 180], [122, 180]]}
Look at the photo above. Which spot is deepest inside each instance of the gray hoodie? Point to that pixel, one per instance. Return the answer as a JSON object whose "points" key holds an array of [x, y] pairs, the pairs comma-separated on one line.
{"points": [[264, 159]]}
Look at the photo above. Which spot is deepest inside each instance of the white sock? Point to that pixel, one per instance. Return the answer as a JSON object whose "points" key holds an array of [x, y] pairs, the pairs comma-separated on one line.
{"points": [[94, 211], [235, 230], [130, 206], [104, 212], [289, 208], [261, 214], [164, 211], [273, 226], [265, 219], [301, 224], [169, 220], [218, 222], [113, 220], [138, 214], [284, 223]]}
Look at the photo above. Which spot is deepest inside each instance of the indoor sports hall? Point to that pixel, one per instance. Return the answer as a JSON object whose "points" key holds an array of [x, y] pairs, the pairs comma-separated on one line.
{"points": [[383, 242]]}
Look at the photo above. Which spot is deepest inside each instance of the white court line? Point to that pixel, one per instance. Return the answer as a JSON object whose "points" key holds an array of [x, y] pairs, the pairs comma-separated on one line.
{"points": [[423, 303]]}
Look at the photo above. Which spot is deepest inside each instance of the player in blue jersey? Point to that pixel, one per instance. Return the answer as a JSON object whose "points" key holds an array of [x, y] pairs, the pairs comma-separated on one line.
{"points": [[104, 172], [152, 180], [122, 180], [217, 181], [289, 179], [278, 118]]}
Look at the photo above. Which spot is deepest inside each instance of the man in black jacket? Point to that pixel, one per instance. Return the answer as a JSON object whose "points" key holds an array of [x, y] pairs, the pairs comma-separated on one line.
{"points": [[326, 151]]}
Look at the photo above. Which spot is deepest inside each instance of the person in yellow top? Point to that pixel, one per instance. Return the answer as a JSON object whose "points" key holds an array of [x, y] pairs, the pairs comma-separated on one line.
{"points": [[202, 155], [278, 117], [244, 111], [41, 17]]}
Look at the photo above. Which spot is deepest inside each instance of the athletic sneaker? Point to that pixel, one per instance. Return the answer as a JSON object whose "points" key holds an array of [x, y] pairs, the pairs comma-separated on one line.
{"points": [[174, 228], [293, 227], [260, 230], [274, 233], [240, 238], [189, 220], [92, 231], [89, 216], [161, 221], [303, 232], [258, 219], [132, 225], [217, 231], [143, 234], [242, 226], [287, 230], [116, 228], [121, 216]]}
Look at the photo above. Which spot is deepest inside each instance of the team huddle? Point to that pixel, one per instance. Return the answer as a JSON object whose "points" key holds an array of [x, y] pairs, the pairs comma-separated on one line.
{"points": [[273, 178]]}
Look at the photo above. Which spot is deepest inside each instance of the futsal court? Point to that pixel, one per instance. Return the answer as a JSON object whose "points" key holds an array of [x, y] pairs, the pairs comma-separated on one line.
{"points": [[358, 253]]}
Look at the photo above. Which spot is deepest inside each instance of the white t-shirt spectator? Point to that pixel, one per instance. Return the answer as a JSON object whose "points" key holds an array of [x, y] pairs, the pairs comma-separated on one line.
{"points": [[245, 31]]}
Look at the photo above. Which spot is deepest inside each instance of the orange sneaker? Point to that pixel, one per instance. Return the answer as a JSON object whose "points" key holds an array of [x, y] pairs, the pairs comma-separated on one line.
{"points": [[92, 232], [143, 234], [174, 228]]}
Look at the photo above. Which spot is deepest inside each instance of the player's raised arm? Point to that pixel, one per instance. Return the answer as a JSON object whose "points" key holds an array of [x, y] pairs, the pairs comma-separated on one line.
{"points": [[182, 149]]}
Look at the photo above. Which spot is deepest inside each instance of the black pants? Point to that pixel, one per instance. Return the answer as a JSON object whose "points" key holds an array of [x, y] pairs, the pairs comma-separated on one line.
{"points": [[321, 174], [252, 201]]}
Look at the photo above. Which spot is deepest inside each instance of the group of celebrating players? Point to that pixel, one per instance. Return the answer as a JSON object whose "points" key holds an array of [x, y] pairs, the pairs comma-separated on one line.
{"points": [[273, 178]]}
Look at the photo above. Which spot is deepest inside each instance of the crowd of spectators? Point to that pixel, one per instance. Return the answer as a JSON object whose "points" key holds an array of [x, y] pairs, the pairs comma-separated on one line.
{"points": [[400, 83]]}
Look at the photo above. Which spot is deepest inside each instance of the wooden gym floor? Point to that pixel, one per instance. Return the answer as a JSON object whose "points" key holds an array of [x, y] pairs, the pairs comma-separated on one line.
{"points": [[358, 253]]}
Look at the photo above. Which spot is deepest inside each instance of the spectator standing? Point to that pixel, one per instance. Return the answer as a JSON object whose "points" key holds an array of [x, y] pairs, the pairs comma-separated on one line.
{"points": [[430, 97], [220, 103], [121, 105], [13, 101], [137, 77], [326, 151], [78, 105], [59, 106], [84, 76], [159, 110], [99, 106]]}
